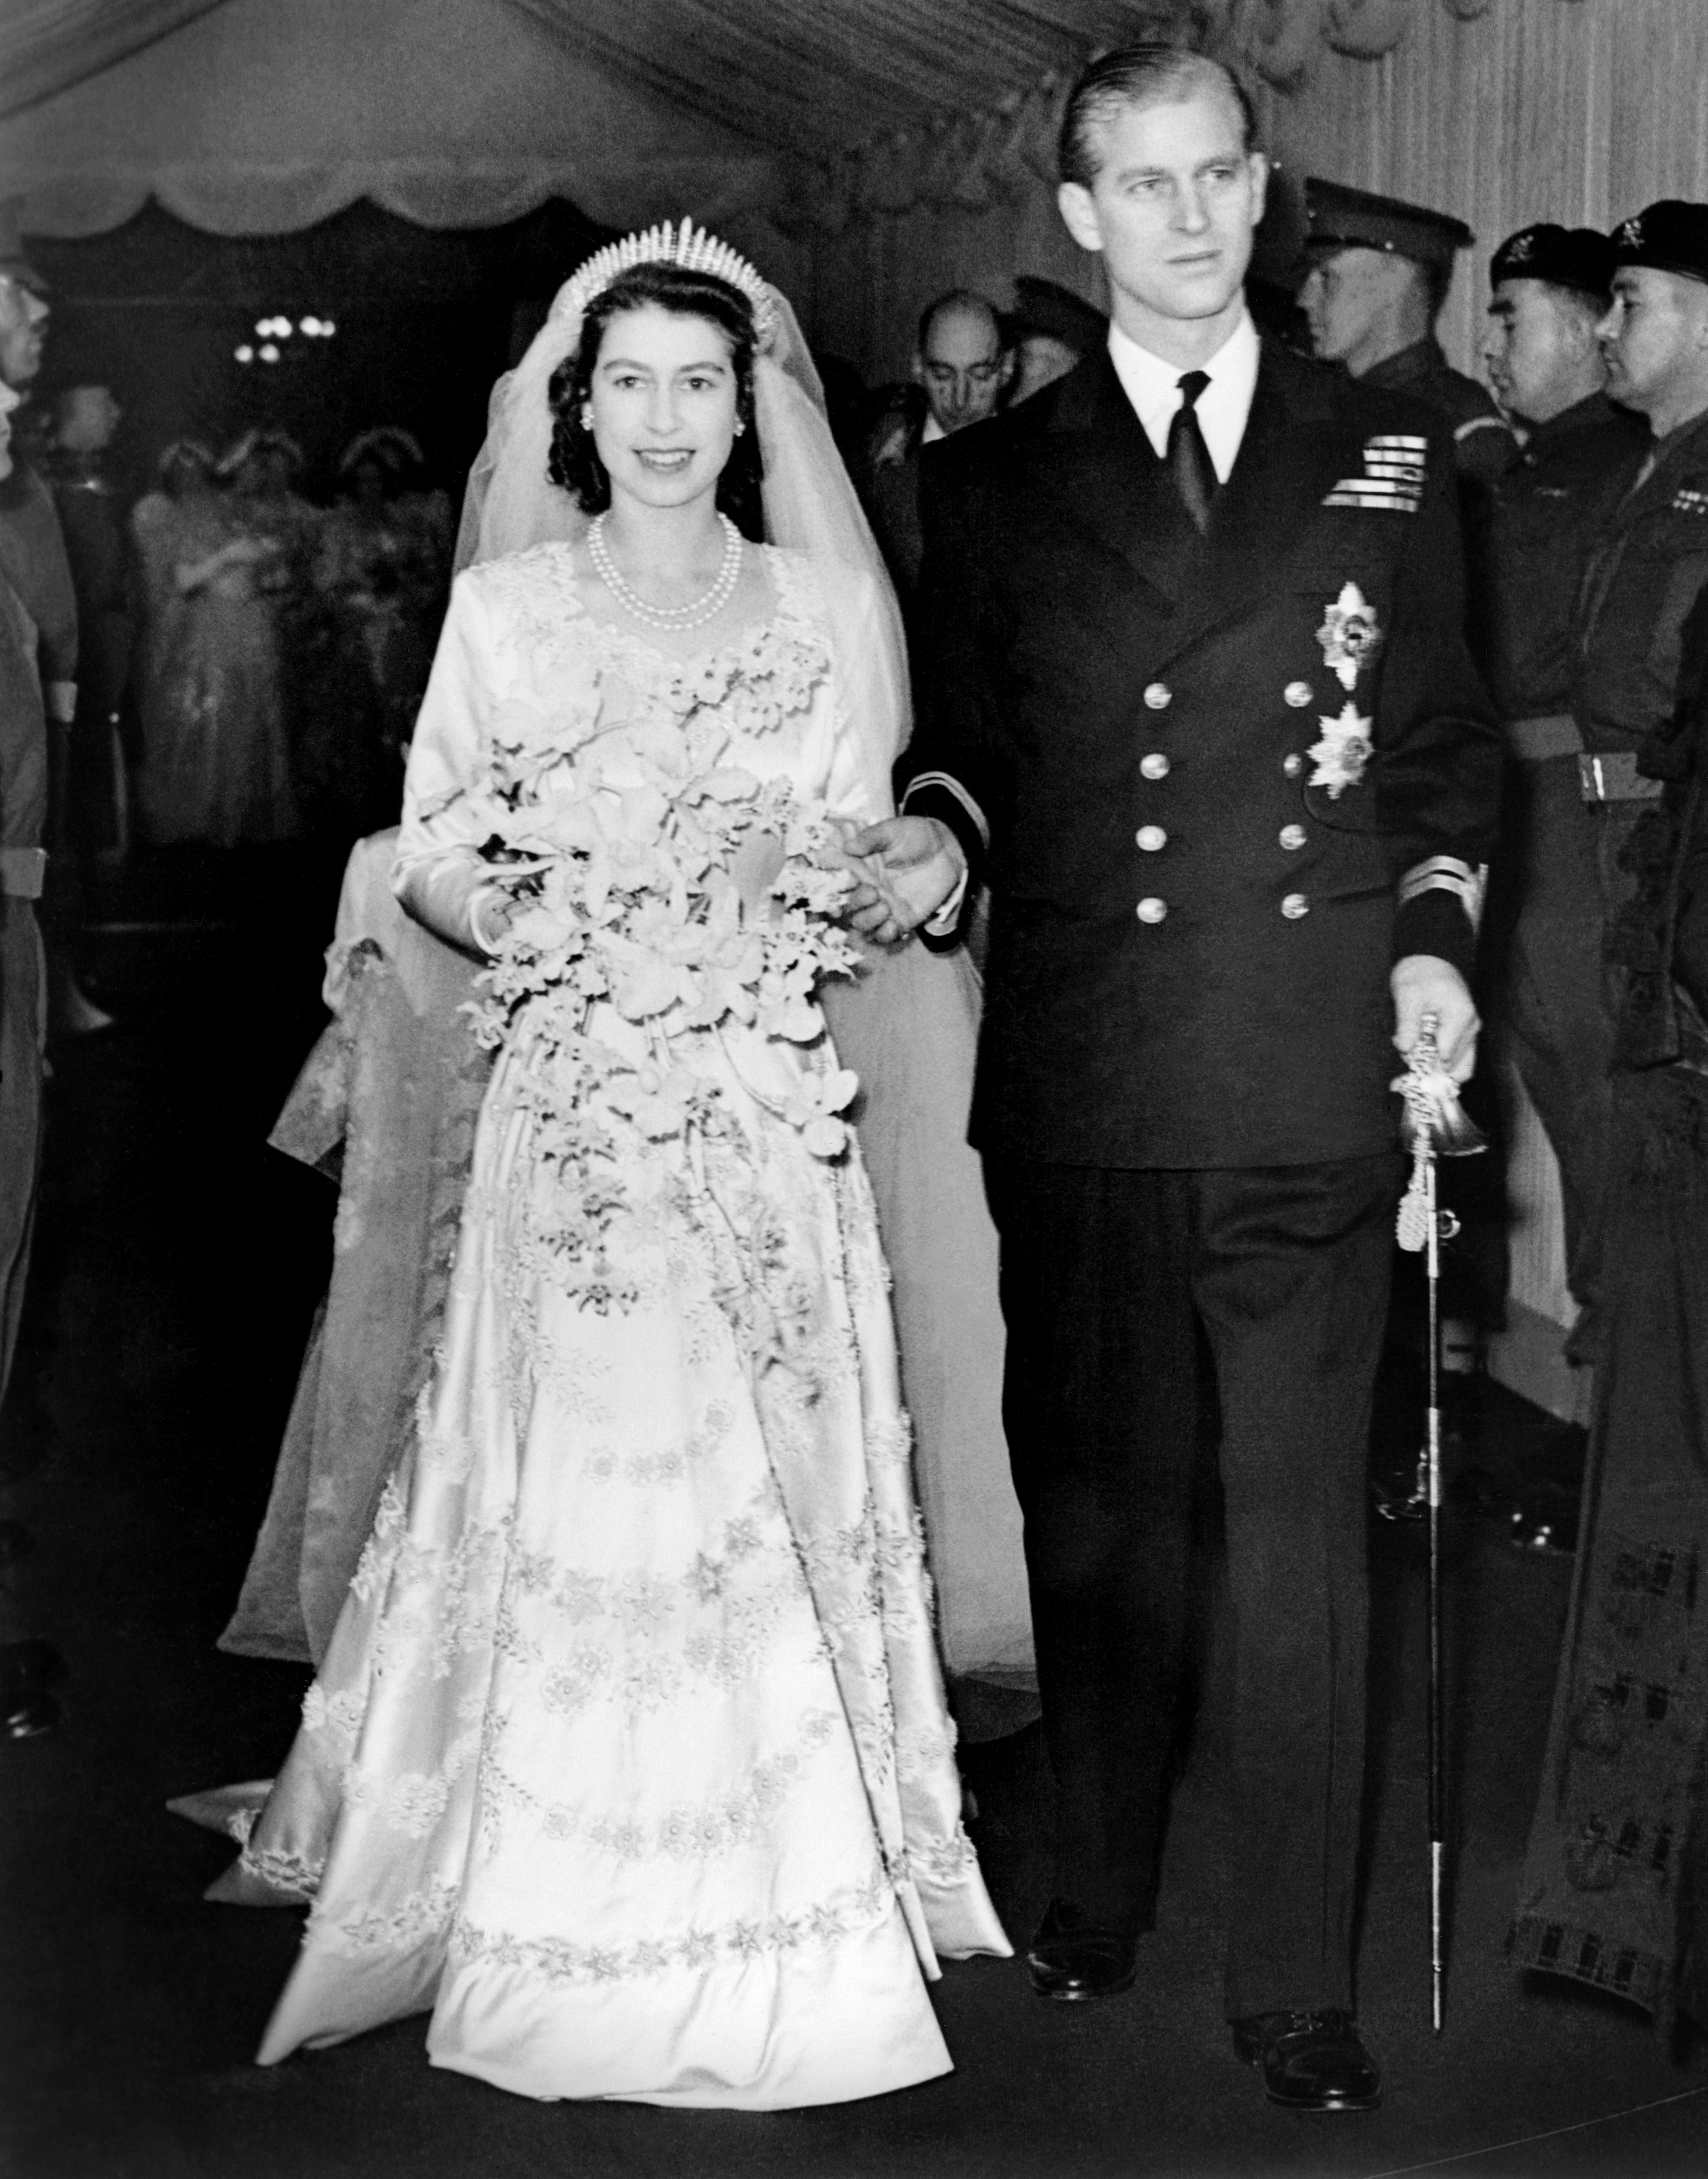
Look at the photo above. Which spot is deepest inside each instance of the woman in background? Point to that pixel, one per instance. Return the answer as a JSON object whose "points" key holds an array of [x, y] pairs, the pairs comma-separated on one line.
{"points": [[216, 763], [381, 569]]}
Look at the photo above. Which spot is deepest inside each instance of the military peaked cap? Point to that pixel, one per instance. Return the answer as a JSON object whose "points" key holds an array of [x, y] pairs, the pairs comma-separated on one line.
{"points": [[1564, 256], [1338, 217], [1669, 237]]}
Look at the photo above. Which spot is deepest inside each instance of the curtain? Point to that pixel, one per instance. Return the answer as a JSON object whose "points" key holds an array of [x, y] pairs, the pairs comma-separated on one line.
{"points": [[283, 198], [264, 117]]}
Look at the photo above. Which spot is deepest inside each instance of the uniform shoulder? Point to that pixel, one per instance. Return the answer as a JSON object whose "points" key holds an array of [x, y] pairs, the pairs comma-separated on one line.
{"points": [[1376, 410]]}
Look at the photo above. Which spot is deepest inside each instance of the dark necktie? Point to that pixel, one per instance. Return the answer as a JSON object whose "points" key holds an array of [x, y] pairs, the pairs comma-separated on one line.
{"points": [[1189, 458]]}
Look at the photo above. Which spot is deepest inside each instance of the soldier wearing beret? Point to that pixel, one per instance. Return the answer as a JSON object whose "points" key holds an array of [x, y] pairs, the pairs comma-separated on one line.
{"points": [[1551, 286], [1648, 563], [1195, 698], [1379, 272]]}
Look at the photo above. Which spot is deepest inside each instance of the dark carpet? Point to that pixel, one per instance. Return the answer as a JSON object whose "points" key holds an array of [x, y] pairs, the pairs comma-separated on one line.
{"points": [[179, 1263]]}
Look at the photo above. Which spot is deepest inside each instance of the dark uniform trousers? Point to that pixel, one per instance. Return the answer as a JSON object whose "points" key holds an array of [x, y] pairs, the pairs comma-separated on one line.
{"points": [[1558, 997], [1106, 1274]]}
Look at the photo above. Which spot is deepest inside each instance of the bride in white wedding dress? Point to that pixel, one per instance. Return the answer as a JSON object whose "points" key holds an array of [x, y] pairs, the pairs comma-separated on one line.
{"points": [[628, 1757]]}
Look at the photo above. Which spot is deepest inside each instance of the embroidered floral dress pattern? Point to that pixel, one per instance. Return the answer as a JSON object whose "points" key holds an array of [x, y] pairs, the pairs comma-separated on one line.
{"points": [[629, 1759]]}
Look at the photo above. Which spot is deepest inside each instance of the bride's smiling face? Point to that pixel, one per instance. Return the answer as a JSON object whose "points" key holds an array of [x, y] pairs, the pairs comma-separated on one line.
{"points": [[663, 397]]}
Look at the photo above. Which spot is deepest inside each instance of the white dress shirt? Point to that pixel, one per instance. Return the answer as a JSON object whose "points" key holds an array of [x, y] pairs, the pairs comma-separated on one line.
{"points": [[1153, 387]]}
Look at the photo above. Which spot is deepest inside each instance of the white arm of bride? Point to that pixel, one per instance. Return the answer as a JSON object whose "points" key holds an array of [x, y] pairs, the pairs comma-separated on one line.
{"points": [[439, 875]]}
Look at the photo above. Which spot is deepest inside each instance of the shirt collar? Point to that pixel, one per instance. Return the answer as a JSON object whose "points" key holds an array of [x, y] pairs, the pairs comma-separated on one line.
{"points": [[932, 431], [1153, 387]]}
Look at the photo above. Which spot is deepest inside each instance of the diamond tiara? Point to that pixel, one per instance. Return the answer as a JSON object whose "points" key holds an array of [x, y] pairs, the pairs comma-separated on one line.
{"points": [[687, 247]]}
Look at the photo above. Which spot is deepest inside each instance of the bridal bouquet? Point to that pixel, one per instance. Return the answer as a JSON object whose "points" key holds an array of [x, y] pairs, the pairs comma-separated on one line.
{"points": [[690, 896]]}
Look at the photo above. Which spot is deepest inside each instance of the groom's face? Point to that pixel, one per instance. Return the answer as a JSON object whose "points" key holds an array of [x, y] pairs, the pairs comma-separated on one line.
{"points": [[1175, 202]]}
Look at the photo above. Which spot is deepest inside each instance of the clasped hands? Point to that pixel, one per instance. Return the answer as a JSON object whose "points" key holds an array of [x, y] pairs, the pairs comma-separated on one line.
{"points": [[904, 868]]}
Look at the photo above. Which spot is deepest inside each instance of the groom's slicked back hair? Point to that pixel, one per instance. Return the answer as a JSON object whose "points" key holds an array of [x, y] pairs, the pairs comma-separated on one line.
{"points": [[1150, 75]]}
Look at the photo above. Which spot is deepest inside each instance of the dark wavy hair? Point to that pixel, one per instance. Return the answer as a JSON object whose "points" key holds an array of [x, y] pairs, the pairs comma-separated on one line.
{"points": [[574, 461]]}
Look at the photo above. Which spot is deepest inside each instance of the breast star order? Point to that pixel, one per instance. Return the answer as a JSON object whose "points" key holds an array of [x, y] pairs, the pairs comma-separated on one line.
{"points": [[1344, 752], [1350, 635]]}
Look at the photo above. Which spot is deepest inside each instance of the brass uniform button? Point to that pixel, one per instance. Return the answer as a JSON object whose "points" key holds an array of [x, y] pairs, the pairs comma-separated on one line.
{"points": [[1292, 764], [1151, 838], [1158, 696], [1292, 836], [1294, 906], [1297, 694], [1152, 910], [1156, 766]]}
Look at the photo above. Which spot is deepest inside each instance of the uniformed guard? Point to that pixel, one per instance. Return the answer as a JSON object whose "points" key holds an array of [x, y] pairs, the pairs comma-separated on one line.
{"points": [[1649, 562], [1379, 274], [23, 867], [1551, 286]]}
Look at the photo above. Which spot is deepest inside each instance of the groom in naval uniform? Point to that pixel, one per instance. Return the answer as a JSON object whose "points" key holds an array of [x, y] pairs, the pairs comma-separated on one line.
{"points": [[1195, 704]]}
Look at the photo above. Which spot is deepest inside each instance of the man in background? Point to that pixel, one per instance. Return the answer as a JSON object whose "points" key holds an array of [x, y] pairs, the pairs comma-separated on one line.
{"points": [[1648, 563], [1549, 288], [962, 368], [1612, 1891], [23, 864], [38, 670], [85, 421], [1379, 274], [32, 550]]}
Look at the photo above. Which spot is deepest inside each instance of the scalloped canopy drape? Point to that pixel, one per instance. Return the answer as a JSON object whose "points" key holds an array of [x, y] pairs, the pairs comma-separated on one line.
{"points": [[266, 115]]}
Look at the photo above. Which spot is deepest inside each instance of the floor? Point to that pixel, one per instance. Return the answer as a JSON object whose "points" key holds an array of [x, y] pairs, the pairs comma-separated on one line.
{"points": [[179, 1263]]}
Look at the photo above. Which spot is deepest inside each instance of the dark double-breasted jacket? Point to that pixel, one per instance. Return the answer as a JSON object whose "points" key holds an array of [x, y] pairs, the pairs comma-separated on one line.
{"points": [[1215, 784]]}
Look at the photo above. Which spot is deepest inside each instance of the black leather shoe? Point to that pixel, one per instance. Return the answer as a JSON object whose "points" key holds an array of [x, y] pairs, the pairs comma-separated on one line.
{"points": [[1311, 2061], [27, 1715], [1077, 1962]]}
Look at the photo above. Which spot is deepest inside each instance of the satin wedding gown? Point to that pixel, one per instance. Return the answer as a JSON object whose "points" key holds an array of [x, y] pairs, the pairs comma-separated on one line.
{"points": [[628, 1757]]}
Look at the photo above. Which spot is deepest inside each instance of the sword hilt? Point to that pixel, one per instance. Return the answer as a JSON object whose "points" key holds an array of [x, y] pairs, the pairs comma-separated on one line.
{"points": [[1432, 1121]]}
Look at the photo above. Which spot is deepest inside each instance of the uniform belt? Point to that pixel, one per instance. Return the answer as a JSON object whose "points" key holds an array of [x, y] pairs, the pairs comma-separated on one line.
{"points": [[1611, 775], [1536, 739], [22, 871]]}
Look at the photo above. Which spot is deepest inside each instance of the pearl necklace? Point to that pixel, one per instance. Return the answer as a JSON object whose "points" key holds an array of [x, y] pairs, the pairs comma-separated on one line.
{"points": [[668, 617]]}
